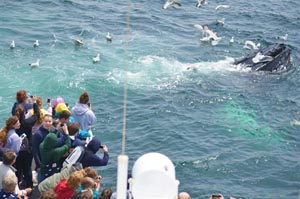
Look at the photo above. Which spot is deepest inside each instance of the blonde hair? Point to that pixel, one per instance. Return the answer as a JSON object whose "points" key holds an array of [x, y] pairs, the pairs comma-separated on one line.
{"points": [[74, 180], [9, 183], [50, 194]]}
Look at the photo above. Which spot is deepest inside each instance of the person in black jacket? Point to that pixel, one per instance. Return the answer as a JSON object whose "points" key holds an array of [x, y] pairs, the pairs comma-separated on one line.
{"points": [[24, 159]]}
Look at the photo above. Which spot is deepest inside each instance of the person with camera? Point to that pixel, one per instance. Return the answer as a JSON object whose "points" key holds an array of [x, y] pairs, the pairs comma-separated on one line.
{"points": [[24, 159], [91, 158], [84, 115]]}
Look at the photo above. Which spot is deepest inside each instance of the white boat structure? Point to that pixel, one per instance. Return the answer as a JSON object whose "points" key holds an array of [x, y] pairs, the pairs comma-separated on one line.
{"points": [[153, 177]]}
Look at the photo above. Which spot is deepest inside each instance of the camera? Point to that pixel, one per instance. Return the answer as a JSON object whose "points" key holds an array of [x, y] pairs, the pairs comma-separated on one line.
{"points": [[48, 100], [101, 147], [23, 136]]}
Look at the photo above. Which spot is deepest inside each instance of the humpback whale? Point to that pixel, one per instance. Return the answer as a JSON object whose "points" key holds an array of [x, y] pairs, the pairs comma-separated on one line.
{"points": [[275, 58]]}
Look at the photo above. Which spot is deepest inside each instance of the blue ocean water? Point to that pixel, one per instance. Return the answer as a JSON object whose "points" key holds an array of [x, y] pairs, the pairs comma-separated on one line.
{"points": [[227, 130]]}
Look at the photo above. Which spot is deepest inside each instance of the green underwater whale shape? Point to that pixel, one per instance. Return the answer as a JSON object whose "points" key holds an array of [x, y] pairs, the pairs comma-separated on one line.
{"points": [[242, 122]]}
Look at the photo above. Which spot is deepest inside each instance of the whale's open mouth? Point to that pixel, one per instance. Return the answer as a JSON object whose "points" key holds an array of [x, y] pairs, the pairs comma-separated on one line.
{"points": [[275, 58]]}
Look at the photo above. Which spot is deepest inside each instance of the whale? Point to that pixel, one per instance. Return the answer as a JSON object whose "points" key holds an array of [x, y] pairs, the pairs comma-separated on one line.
{"points": [[274, 58]]}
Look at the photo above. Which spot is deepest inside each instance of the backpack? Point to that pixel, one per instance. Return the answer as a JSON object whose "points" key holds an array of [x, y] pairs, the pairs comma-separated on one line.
{"points": [[75, 156]]}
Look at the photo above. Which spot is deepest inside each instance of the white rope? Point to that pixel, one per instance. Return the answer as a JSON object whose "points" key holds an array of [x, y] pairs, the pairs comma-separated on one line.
{"points": [[125, 76]]}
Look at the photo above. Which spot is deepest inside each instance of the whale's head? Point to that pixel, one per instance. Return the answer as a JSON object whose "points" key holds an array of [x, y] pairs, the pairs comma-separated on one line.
{"points": [[279, 59]]}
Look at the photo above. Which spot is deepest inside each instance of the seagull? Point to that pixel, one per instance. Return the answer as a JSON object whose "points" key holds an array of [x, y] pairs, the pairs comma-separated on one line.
{"points": [[55, 38], [35, 64], [171, 3], [211, 34], [78, 42], [231, 40], [261, 58], [97, 58], [192, 67], [251, 45], [199, 27], [108, 37], [12, 44], [222, 6], [221, 22], [283, 38], [200, 3], [204, 34], [36, 43]]}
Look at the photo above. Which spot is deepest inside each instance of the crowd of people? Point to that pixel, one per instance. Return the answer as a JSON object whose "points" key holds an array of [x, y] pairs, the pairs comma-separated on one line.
{"points": [[38, 140]]}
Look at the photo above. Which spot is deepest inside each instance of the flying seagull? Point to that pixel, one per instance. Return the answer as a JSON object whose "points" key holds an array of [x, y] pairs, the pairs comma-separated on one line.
{"points": [[171, 3], [251, 45], [200, 3], [222, 6]]}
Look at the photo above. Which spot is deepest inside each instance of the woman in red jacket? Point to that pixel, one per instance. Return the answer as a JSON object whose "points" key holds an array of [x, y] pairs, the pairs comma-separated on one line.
{"points": [[66, 188]]}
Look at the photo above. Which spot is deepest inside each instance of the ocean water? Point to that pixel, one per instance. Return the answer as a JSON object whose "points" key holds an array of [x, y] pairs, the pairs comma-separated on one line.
{"points": [[227, 130]]}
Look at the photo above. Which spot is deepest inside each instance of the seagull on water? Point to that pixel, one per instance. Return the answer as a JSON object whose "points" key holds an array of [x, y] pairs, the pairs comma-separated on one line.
{"points": [[200, 3], [97, 58], [222, 6], [231, 41], [171, 3], [78, 42], [283, 38], [251, 45], [193, 67], [12, 44], [221, 22], [55, 38], [36, 43], [108, 37], [35, 64]]}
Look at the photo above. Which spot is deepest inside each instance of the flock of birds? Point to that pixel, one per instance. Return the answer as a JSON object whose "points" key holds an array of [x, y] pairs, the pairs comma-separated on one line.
{"points": [[209, 35], [78, 42]]}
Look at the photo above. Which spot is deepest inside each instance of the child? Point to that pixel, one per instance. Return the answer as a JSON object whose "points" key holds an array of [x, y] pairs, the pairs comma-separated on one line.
{"points": [[9, 183]]}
